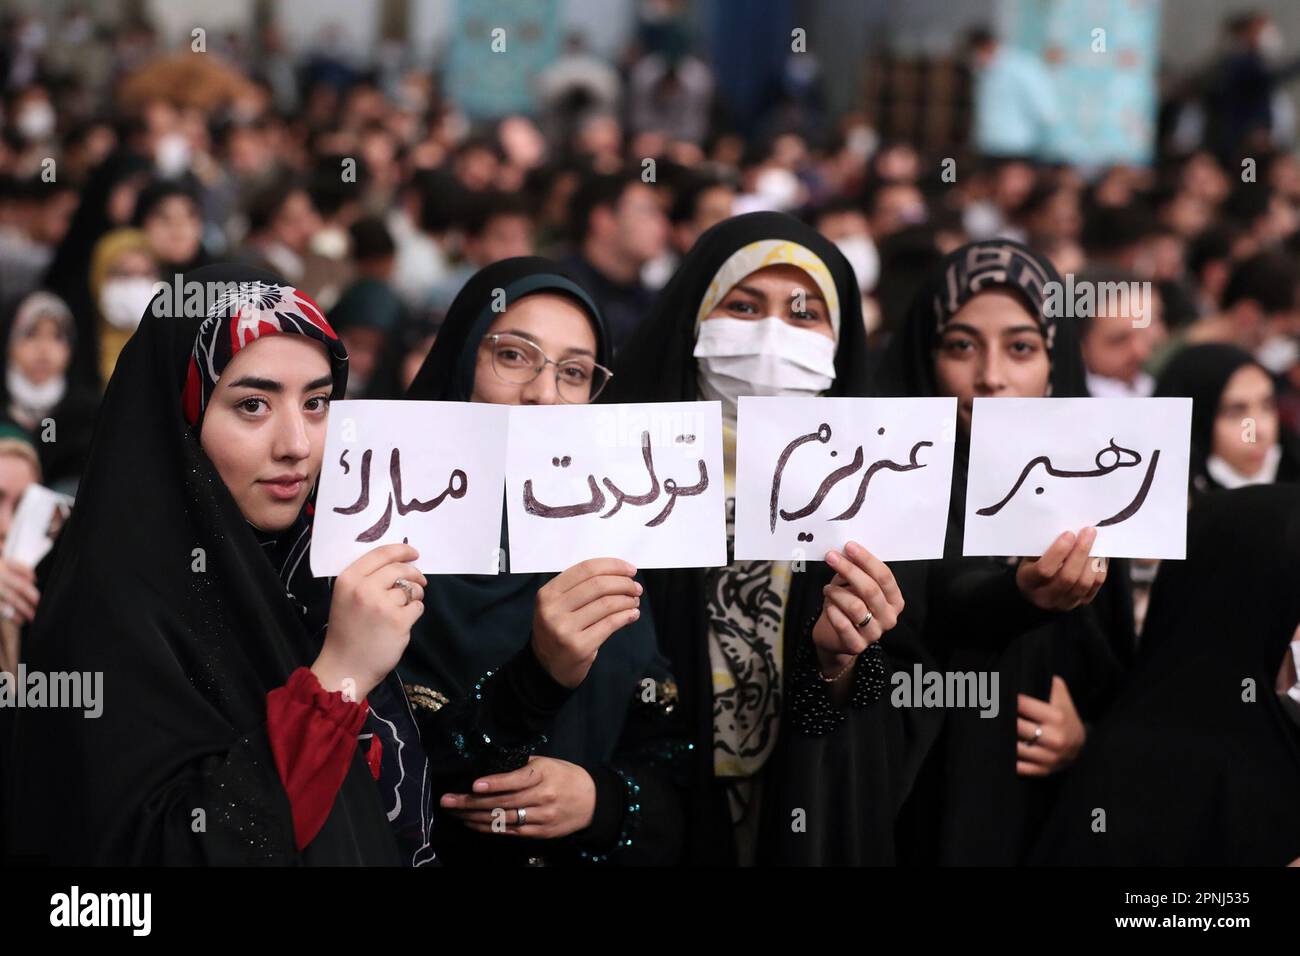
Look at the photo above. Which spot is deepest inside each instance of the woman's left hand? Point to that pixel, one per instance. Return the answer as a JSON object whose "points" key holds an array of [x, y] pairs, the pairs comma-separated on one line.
{"points": [[557, 797], [1062, 736]]}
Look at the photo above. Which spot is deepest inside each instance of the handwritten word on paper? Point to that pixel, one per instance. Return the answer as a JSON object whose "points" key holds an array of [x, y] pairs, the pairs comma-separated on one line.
{"points": [[813, 474], [1041, 466], [638, 482], [427, 473]]}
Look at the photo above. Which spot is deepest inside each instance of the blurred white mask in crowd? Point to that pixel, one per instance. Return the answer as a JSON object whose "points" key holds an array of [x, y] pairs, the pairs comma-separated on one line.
{"points": [[778, 187], [1278, 353], [36, 121], [172, 156], [122, 301], [761, 357], [861, 252]]}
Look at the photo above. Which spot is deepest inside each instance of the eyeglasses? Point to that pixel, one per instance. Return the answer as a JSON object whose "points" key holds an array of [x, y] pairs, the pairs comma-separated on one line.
{"points": [[518, 361]]}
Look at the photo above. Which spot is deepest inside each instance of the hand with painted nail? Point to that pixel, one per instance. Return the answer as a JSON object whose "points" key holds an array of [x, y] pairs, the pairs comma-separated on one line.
{"points": [[1065, 577], [578, 610], [859, 606]]}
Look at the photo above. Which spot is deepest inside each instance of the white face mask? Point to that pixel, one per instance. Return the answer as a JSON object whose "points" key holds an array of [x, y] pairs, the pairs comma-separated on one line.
{"points": [[123, 301], [36, 398], [761, 357], [862, 255], [36, 122], [172, 156], [1278, 353]]}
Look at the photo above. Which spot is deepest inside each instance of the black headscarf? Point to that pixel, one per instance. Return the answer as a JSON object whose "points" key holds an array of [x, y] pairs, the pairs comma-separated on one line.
{"points": [[992, 264], [475, 622], [69, 273], [970, 807], [658, 365], [1190, 768], [1201, 373], [160, 584], [73, 415]]}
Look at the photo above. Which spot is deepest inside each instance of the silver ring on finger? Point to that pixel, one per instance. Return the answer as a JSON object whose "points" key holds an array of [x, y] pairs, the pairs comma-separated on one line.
{"points": [[521, 816], [1038, 732], [867, 620], [407, 588]]}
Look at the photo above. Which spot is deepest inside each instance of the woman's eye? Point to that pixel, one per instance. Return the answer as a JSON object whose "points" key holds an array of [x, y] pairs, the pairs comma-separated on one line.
{"points": [[251, 405], [957, 345], [318, 403], [743, 307], [575, 373], [1022, 349], [513, 356]]}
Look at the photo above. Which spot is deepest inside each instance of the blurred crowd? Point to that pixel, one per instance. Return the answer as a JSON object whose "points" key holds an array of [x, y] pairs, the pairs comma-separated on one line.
{"points": [[125, 161]]}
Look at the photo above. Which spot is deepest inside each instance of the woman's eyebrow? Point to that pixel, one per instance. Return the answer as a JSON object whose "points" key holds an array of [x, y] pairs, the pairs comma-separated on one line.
{"points": [[962, 327], [261, 384], [1021, 329], [587, 352], [520, 333], [319, 383]]}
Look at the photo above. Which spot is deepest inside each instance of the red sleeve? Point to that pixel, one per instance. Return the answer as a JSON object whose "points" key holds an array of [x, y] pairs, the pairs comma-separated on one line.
{"points": [[313, 734]]}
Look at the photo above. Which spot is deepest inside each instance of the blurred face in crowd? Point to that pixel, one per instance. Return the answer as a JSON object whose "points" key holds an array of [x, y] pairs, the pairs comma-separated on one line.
{"points": [[365, 347], [52, 217], [1247, 398], [16, 473], [174, 230], [476, 168], [896, 206], [991, 348], [503, 237], [844, 224], [413, 359], [1114, 348], [537, 327], [264, 428], [42, 353], [297, 221], [776, 291], [712, 206], [635, 227]]}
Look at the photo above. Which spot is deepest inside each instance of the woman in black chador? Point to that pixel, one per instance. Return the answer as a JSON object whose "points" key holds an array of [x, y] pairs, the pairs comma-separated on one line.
{"points": [[1198, 763], [250, 713], [764, 305], [1055, 629], [605, 785]]}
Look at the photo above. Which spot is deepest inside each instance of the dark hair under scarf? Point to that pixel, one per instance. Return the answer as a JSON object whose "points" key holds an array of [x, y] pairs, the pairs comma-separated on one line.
{"points": [[473, 623], [159, 583], [1201, 373], [988, 265]]}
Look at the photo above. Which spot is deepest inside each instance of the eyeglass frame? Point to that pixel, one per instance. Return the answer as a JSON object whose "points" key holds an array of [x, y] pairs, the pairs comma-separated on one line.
{"points": [[495, 337]]}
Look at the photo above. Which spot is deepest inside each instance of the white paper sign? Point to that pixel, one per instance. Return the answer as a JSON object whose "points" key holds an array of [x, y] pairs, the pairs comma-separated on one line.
{"points": [[1041, 466], [429, 473], [813, 474], [639, 482], [32, 531]]}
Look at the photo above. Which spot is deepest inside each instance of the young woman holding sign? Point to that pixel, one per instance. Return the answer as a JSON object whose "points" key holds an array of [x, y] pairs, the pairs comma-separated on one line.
{"points": [[236, 727], [979, 327], [764, 305], [603, 786]]}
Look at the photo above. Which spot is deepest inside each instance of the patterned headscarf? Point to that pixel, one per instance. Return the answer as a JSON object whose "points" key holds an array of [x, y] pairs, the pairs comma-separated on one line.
{"points": [[243, 312]]}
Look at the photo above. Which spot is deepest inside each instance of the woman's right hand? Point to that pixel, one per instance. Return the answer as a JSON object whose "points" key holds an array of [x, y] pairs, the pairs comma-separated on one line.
{"points": [[370, 620], [18, 594], [1065, 577], [578, 610]]}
